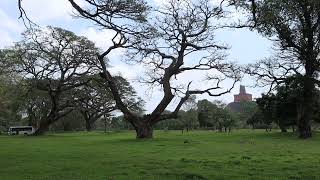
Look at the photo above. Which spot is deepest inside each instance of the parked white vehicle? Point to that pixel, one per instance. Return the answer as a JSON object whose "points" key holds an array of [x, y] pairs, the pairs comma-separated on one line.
{"points": [[26, 130]]}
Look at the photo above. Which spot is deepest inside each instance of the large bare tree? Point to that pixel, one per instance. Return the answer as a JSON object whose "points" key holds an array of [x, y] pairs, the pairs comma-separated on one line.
{"points": [[163, 42], [177, 39]]}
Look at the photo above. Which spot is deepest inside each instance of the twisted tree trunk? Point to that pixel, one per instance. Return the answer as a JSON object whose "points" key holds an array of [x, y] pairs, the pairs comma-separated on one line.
{"points": [[45, 123], [42, 127], [143, 126], [144, 132]]}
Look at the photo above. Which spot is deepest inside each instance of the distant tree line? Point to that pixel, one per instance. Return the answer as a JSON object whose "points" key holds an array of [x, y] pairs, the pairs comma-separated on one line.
{"points": [[202, 114]]}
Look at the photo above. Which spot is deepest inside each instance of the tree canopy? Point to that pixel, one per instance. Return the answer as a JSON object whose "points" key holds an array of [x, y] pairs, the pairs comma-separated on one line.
{"points": [[294, 27]]}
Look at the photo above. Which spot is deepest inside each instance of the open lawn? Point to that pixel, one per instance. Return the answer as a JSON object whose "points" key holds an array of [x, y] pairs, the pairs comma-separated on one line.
{"points": [[244, 154]]}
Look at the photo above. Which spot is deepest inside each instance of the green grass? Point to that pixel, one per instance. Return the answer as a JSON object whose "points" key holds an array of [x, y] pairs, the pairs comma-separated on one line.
{"points": [[170, 155]]}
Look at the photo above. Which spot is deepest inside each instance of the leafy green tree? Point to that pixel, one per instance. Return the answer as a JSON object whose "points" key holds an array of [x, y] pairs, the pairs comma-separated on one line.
{"points": [[10, 102], [260, 121], [95, 100], [229, 120], [189, 116], [294, 26], [283, 106], [222, 117], [215, 115], [53, 61], [73, 121], [248, 108], [204, 109], [274, 107], [189, 119], [35, 105], [12, 91], [119, 122]]}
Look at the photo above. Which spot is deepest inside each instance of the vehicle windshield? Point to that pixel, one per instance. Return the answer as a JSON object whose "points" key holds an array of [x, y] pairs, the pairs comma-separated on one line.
{"points": [[21, 129]]}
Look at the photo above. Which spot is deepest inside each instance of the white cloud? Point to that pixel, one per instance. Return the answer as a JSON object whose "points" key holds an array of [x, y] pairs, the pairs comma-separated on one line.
{"points": [[5, 40], [10, 29], [102, 39], [9, 23], [160, 2], [45, 10], [164, 2], [130, 72], [40, 10]]}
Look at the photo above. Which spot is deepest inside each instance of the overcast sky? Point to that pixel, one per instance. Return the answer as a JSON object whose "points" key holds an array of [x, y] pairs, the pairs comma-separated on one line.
{"points": [[246, 46]]}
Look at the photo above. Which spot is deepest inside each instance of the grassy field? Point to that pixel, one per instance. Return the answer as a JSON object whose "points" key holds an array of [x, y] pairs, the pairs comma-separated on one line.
{"points": [[170, 155]]}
